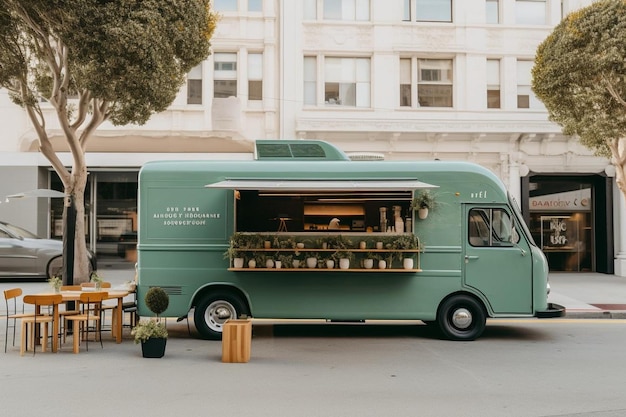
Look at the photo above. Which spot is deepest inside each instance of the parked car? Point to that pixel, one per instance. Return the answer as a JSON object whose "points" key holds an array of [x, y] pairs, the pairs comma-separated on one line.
{"points": [[26, 255]]}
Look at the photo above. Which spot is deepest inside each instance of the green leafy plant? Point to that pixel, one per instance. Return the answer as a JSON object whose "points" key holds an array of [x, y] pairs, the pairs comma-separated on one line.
{"points": [[147, 329], [343, 254], [55, 282], [424, 199], [95, 278]]}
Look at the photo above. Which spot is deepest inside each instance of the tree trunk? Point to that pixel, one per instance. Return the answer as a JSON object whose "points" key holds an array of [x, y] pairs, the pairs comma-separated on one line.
{"points": [[618, 151], [76, 188]]}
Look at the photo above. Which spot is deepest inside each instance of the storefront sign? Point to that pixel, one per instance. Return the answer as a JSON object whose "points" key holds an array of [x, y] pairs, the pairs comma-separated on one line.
{"points": [[579, 200]]}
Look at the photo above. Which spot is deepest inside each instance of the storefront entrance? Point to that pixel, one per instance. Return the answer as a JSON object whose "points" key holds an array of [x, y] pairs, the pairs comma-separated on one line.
{"points": [[568, 217], [111, 213]]}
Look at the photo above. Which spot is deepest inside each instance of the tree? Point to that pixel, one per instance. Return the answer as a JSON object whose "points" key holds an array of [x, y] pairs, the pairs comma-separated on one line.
{"points": [[93, 61], [580, 75]]}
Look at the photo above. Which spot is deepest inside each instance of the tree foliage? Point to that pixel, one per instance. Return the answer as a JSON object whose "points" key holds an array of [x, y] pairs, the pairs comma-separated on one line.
{"points": [[97, 60], [580, 75]]}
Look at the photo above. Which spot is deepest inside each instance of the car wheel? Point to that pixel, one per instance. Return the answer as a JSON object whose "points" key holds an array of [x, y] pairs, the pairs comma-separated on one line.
{"points": [[55, 266], [213, 311], [461, 317]]}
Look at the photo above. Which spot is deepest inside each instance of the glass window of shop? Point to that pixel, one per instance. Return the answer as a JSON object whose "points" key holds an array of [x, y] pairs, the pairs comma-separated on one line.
{"points": [[561, 224], [110, 213]]}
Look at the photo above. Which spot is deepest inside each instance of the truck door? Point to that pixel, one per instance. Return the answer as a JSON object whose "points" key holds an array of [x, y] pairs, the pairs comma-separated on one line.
{"points": [[497, 259]]}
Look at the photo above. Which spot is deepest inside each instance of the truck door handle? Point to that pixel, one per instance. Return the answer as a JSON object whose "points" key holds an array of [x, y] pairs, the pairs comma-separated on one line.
{"points": [[468, 257]]}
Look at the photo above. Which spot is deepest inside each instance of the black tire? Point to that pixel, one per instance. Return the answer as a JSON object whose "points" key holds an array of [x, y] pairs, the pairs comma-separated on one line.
{"points": [[55, 267], [461, 317], [213, 310]]}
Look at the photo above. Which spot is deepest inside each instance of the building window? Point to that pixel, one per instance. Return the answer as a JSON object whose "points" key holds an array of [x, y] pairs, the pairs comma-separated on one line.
{"points": [[310, 80], [347, 10], [492, 8], [493, 84], [525, 97], [224, 5], [225, 75], [310, 9], [255, 5], [347, 81], [427, 10], [405, 82], [255, 76], [530, 12], [194, 85], [434, 77]]}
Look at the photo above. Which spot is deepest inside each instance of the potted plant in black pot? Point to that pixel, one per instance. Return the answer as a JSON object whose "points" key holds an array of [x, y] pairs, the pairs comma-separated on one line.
{"points": [[152, 333]]}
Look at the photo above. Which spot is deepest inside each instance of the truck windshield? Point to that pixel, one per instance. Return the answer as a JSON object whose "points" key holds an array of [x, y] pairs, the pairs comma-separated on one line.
{"points": [[520, 220]]}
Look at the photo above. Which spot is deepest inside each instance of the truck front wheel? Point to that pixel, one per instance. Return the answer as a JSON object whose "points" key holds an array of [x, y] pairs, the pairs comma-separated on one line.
{"points": [[213, 311], [461, 317]]}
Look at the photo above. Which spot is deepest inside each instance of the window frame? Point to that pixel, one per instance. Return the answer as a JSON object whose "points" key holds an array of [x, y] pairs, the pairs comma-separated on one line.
{"points": [[225, 75], [433, 83]]}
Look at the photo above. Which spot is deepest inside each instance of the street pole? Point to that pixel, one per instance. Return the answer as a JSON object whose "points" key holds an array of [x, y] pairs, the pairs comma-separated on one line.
{"points": [[68, 241]]}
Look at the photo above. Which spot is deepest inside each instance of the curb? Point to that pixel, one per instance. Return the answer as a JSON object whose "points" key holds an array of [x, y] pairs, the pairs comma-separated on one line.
{"points": [[595, 314]]}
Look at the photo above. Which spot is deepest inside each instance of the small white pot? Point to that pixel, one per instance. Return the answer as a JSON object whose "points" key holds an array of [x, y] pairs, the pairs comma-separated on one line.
{"points": [[379, 245], [382, 264], [330, 264], [251, 263], [407, 263], [269, 263], [422, 213], [344, 263], [238, 262], [311, 262], [368, 263], [278, 264], [296, 263]]}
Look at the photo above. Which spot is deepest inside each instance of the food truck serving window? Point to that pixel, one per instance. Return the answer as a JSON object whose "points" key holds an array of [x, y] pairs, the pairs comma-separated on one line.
{"points": [[263, 205]]}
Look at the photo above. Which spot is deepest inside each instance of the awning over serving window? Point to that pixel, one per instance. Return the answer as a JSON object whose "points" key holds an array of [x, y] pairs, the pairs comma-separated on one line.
{"points": [[320, 185]]}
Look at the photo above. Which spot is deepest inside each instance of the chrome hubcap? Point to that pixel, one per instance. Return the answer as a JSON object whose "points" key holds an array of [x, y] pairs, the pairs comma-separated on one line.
{"points": [[462, 318]]}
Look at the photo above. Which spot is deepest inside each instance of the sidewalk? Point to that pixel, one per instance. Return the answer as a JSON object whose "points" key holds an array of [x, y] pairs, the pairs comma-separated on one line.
{"points": [[589, 295]]}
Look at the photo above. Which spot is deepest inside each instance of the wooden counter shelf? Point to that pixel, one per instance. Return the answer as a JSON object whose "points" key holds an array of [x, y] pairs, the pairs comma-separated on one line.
{"points": [[323, 270]]}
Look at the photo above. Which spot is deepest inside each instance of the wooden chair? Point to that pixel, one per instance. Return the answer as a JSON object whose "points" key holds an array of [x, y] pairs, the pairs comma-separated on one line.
{"points": [[90, 307], [39, 321], [71, 287], [70, 308], [130, 307], [12, 314], [104, 284], [105, 307]]}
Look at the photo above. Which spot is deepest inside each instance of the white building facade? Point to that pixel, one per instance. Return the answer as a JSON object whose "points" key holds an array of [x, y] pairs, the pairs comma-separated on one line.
{"points": [[402, 79]]}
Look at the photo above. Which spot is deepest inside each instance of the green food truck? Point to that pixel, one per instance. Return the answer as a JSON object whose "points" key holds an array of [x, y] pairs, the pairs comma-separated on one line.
{"points": [[303, 232]]}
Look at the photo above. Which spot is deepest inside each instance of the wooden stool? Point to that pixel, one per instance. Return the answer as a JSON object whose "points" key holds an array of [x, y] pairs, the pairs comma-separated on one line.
{"points": [[236, 340]]}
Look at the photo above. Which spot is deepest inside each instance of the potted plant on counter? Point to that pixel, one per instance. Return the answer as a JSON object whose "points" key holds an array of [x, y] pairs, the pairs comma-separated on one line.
{"points": [[152, 333], [55, 282], [97, 280]]}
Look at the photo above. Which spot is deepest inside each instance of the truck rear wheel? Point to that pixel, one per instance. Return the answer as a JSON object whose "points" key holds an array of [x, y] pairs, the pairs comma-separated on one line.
{"points": [[213, 311], [461, 317]]}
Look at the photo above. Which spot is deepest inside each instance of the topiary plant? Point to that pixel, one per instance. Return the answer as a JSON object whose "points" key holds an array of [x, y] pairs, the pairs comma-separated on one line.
{"points": [[157, 300]]}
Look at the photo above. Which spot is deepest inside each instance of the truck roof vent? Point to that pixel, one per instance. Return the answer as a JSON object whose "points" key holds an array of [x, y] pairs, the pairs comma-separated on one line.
{"points": [[298, 149], [366, 156]]}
